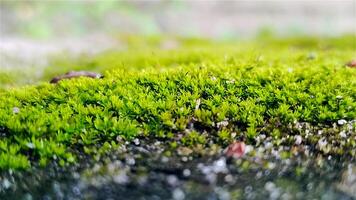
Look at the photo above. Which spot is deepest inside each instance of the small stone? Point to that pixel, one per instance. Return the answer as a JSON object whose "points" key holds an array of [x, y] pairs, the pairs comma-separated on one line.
{"points": [[269, 186], [6, 183], [248, 149], [343, 134], [121, 178], [130, 161], [222, 124], [15, 110], [164, 159], [268, 145], [298, 139], [211, 178], [172, 180], [136, 141], [185, 159], [229, 178], [341, 122], [119, 139], [219, 166], [186, 172], [178, 194]]}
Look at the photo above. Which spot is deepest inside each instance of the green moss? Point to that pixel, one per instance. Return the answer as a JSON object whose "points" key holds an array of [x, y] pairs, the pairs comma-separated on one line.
{"points": [[159, 93]]}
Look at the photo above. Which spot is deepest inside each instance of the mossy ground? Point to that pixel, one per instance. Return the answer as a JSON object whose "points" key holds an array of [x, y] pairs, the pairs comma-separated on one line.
{"points": [[196, 92]]}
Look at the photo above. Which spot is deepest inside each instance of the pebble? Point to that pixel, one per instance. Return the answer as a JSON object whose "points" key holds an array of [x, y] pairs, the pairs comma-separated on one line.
{"points": [[343, 134], [223, 194], [298, 139], [121, 178], [6, 183], [222, 124], [219, 166], [136, 141], [268, 145], [130, 161], [229, 178], [341, 121], [186, 172], [211, 178], [172, 180], [15, 110], [184, 159], [164, 159], [178, 194], [269, 186]]}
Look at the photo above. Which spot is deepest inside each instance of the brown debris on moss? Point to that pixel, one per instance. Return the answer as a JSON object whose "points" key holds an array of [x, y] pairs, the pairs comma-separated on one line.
{"points": [[76, 74], [351, 64]]}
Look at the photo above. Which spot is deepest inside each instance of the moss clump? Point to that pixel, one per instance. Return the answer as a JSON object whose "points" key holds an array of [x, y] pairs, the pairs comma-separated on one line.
{"points": [[199, 91]]}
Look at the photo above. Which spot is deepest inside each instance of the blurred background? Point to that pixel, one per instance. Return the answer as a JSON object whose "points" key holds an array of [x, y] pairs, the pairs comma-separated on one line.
{"points": [[30, 31]]}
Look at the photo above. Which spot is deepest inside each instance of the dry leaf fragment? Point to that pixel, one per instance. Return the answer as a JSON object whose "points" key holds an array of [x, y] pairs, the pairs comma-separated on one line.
{"points": [[351, 64], [236, 149], [76, 74]]}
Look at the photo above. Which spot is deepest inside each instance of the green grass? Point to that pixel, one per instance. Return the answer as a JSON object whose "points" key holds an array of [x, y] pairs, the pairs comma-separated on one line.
{"points": [[263, 86]]}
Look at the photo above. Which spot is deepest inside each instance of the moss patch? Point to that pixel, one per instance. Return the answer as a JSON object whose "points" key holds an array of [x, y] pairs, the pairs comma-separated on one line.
{"points": [[201, 94]]}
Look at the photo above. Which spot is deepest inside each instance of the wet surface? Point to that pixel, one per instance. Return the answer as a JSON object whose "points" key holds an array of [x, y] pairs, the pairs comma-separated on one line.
{"points": [[147, 170]]}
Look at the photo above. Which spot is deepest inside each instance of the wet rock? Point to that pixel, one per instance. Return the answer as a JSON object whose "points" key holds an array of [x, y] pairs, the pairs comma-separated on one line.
{"points": [[76, 74]]}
